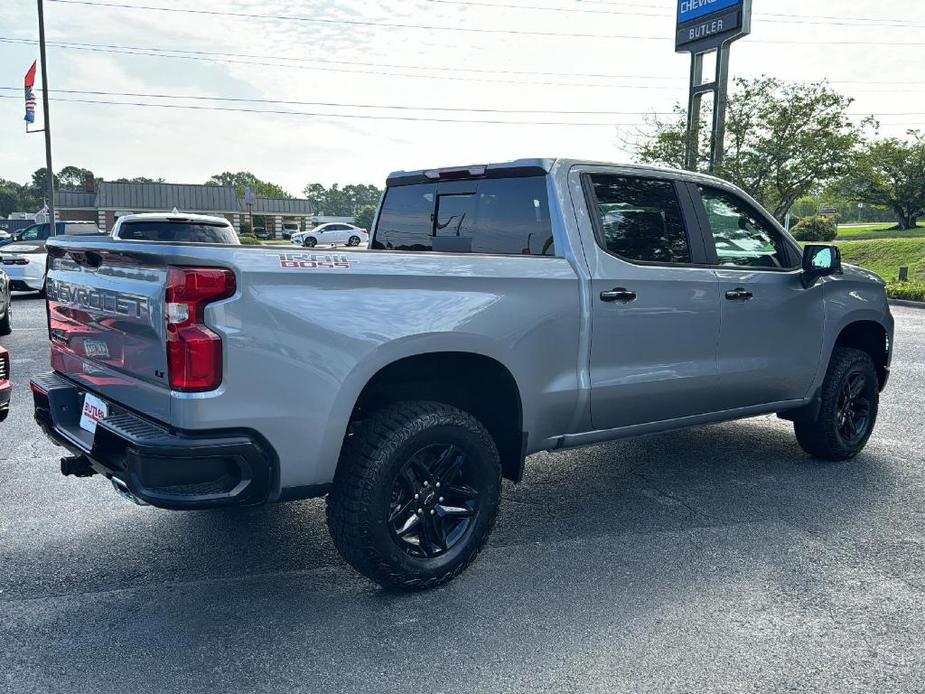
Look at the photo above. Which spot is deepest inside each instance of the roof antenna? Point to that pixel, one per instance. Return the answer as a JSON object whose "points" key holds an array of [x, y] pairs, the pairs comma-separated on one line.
{"points": [[175, 211]]}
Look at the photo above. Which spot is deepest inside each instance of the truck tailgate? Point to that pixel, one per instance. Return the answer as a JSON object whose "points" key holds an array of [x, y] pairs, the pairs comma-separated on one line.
{"points": [[107, 327]]}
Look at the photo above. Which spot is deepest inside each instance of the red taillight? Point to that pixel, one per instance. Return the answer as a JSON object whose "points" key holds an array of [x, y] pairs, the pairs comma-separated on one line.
{"points": [[194, 353]]}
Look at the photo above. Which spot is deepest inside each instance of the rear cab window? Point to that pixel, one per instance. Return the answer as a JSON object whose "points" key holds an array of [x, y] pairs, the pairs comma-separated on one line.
{"points": [[502, 216], [193, 232]]}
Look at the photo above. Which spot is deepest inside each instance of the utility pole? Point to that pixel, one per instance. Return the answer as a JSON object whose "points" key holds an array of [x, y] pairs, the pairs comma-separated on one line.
{"points": [[50, 171]]}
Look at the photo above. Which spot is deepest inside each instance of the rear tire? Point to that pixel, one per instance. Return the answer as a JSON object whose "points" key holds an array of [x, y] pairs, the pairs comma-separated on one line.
{"points": [[850, 399], [353, 241], [408, 542]]}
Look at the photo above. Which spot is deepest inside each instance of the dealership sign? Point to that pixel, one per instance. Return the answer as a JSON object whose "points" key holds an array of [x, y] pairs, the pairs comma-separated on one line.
{"points": [[704, 25]]}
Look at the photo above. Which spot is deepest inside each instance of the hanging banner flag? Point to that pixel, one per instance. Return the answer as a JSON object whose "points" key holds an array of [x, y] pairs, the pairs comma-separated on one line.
{"points": [[30, 94]]}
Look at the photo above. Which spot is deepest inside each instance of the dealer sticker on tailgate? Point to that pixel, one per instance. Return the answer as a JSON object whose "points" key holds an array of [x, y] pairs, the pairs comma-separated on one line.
{"points": [[93, 411]]}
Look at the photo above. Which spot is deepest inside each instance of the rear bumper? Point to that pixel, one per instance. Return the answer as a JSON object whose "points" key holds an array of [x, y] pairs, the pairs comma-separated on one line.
{"points": [[29, 277], [160, 466]]}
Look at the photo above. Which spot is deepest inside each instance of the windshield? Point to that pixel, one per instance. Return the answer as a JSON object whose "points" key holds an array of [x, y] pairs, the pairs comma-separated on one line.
{"points": [[178, 231]]}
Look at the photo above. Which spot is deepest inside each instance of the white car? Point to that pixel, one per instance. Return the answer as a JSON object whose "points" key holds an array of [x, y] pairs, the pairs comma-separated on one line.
{"points": [[175, 227], [332, 233], [24, 259]]}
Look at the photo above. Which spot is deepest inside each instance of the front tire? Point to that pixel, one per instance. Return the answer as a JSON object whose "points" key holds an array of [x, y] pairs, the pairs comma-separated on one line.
{"points": [[415, 495], [850, 399], [309, 242]]}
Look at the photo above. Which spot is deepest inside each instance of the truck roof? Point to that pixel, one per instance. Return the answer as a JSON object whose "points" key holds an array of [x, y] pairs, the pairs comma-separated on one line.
{"points": [[173, 217], [526, 167]]}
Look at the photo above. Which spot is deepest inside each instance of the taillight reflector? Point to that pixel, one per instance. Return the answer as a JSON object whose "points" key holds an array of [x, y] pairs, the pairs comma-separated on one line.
{"points": [[194, 353]]}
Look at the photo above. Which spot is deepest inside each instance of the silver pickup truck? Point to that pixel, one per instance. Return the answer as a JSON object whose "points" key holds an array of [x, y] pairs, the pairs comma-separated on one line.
{"points": [[501, 310]]}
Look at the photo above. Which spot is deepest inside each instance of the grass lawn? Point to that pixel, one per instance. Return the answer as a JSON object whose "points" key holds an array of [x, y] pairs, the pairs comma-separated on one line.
{"points": [[885, 257], [877, 231]]}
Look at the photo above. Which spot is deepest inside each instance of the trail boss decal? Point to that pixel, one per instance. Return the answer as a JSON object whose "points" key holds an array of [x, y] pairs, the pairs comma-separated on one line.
{"points": [[312, 261]]}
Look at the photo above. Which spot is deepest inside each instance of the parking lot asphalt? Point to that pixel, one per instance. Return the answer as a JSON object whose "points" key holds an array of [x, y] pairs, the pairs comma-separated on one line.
{"points": [[719, 559]]}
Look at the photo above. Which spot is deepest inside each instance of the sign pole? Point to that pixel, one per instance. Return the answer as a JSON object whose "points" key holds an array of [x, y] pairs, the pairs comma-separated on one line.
{"points": [[706, 26], [718, 148], [50, 171], [693, 113]]}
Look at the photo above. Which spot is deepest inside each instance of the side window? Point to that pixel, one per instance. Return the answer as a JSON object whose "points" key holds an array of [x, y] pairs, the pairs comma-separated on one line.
{"points": [[641, 219], [742, 238], [31, 233]]}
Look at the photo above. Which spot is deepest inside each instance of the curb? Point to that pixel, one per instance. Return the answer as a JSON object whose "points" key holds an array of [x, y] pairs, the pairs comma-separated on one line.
{"points": [[907, 304]]}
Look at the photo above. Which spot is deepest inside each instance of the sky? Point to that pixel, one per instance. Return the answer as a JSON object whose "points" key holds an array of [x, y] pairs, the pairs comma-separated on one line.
{"points": [[575, 78]]}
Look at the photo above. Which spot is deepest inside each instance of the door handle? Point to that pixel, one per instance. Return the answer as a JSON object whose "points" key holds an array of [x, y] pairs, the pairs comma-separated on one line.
{"points": [[619, 295], [739, 294]]}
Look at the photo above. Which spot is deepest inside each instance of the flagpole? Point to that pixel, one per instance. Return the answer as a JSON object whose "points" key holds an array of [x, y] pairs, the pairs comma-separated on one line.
{"points": [[48, 167]]}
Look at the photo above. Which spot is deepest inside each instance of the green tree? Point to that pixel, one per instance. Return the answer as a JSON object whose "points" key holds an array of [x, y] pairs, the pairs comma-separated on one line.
{"points": [[342, 202], [139, 179], [16, 198], [364, 217], [891, 173], [39, 185], [72, 178], [241, 180], [783, 141]]}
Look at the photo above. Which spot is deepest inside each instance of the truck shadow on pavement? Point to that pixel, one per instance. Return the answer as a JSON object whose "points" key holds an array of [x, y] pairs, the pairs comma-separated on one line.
{"points": [[718, 476]]}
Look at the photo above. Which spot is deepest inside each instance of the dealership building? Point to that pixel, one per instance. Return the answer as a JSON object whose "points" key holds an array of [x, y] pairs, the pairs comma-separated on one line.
{"points": [[104, 202]]}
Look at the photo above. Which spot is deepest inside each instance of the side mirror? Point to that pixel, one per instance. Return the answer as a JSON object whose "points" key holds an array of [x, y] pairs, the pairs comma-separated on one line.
{"points": [[820, 261]]}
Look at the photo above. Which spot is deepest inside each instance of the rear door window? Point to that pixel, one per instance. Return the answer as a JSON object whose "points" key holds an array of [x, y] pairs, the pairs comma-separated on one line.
{"points": [[506, 216], [178, 231], [641, 219]]}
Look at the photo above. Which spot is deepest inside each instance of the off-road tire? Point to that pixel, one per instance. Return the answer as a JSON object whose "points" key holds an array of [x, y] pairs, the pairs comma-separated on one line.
{"points": [[373, 455], [821, 437]]}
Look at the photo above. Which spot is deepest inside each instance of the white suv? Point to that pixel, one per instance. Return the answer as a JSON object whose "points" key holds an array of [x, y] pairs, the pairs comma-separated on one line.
{"points": [[332, 233]]}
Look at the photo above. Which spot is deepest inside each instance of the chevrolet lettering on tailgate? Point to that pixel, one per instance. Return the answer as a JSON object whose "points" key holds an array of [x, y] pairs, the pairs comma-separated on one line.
{"points": [[114, 303]]}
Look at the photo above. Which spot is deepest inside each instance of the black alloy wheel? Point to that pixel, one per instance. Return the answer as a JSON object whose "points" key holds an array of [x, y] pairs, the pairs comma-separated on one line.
{"points": [[854, 408], [434, 499], [309, 242], [415, 494], [848, 403]]}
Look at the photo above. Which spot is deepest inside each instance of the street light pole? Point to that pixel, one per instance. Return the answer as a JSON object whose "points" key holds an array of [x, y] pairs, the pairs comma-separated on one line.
{"points": [[48, 167]]}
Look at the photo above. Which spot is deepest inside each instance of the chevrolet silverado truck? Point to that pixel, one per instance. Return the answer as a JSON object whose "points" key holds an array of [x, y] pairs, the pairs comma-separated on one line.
{"points": [[500, 310]]}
